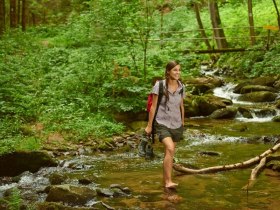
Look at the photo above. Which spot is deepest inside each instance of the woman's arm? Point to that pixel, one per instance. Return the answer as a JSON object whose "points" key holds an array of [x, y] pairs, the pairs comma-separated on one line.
{"points": [[149, 127]]}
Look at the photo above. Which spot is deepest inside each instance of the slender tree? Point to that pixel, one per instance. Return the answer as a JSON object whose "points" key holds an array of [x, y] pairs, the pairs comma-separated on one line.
{"points": [[23, 15], [13, 13], [2, 16], [278, 15], [219, 35], [200, 25], [251, 22], [18, 11]]}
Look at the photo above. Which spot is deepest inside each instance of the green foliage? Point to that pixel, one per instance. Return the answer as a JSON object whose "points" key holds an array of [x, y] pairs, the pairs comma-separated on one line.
{"points": [[14, 200], [268, 65], [93, 126]]}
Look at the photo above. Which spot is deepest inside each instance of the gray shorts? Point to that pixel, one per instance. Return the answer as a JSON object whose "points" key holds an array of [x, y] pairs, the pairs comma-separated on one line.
{"points": [[162, 131]]}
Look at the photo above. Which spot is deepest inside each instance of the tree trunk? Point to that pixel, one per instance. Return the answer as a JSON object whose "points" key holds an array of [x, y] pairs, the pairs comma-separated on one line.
{"points": [[33, 18], [18, 11], [278, 15], [200, 25], [13, 13], [23, 15], [2, 17], [251, 22], [219, 35]]}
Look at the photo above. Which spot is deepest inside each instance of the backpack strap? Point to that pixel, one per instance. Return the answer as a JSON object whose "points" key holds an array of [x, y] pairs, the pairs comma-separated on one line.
{"points": [[182, 89], [160, 94]]}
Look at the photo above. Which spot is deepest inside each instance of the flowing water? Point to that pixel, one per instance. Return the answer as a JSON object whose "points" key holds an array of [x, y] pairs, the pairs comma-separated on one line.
{"points": [[210, 191], [229, 139]]}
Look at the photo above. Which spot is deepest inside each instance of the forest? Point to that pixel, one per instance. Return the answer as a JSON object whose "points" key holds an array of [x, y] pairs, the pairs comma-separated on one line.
{"points": [[70, 66], [78, 72]]}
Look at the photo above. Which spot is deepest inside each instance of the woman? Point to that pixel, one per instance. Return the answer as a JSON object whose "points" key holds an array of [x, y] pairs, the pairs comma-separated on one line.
{"points": [[169, 120]]}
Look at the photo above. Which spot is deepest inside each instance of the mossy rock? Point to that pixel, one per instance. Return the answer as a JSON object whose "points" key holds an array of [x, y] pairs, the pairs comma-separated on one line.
{"points": [[13, 164], [261, 96], [276, 118]]}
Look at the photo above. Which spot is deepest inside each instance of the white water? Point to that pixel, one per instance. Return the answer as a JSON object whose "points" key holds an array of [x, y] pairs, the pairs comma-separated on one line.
{"points": [[226, 91]]}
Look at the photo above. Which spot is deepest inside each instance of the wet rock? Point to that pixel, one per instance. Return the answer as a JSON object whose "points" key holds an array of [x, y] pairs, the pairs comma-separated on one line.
{"points": [[260, 96], [276, 118], [13, 164], [241, 128], [225, 113], [70, 194], [85, 181], [237, 88], [209, 81], [277, 104], [56, 179], [265, 81], [112, 192], [256, 88], [105, 192], [245, 112], [265, 112], [202, 105], [201, 88], [59, 206], [209, 153], [262, 139], [275, 166], [124, 189]]}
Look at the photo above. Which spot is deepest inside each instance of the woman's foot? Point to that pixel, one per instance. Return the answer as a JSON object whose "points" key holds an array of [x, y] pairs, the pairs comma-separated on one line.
{"points": [[171, 185]]}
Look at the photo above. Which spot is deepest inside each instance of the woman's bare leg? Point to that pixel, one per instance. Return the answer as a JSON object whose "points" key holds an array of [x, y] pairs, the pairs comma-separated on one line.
{"points": [[168, 162]]}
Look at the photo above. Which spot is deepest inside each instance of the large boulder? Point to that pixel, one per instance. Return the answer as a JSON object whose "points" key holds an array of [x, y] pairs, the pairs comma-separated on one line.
{"points": [[245, 112], [256, 88], [265, 81], [225, 113], [203, 105], [276, 118], [200, 85], [260, 96], [70, 194], [258, 83], [13, 164]]}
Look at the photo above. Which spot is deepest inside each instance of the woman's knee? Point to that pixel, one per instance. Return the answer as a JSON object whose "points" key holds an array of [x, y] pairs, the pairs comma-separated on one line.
{"points": [[169, 146]]}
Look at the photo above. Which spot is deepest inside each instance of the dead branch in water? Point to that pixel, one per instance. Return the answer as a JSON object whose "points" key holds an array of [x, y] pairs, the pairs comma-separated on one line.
{"points": [[261, 160]]}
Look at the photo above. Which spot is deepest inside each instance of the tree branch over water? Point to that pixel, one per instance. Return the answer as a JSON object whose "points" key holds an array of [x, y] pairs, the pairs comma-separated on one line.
{"points": [[261, 160]]}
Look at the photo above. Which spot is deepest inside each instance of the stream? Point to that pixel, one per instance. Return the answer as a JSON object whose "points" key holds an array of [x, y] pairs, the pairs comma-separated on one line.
{"points": [[232, 141]]}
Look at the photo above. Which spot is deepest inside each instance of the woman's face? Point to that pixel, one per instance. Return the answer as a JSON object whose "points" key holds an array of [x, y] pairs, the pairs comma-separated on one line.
{"points": [[174, 74]]}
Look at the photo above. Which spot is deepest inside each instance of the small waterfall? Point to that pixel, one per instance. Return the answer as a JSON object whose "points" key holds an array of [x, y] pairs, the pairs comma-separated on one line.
{"points": [[226, 91], [258, 114]]}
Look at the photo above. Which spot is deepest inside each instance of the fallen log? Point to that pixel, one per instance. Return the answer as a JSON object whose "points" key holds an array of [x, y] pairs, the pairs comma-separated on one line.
{"points": [[214, 169], [255, 172], [261, 160]]}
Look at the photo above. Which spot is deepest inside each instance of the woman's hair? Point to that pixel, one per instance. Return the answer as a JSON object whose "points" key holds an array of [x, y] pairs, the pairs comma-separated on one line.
{"points": [[169, 66]]}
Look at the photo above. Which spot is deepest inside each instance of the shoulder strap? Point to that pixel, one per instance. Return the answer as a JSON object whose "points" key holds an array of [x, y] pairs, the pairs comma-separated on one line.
{"points": [[182, 89], [160, 94]]}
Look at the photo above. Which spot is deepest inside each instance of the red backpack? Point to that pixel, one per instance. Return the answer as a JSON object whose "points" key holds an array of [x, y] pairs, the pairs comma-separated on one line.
{"points": [[150, 98], [149, 102]]}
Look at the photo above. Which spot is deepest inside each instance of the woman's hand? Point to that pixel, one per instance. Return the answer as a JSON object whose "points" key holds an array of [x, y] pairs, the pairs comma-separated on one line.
{"points": [[148, 130]]}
